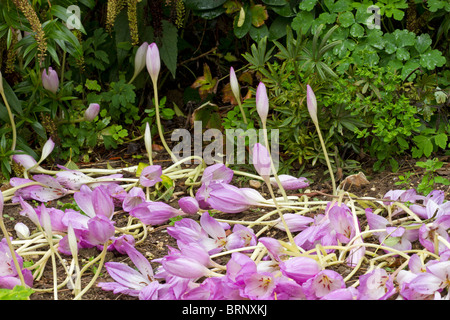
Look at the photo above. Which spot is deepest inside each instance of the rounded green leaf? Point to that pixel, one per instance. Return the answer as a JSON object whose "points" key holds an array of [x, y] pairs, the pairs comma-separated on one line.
{"points": [[432, 59], [423, 42], [346, 19], [357, 30], [204, 4]]}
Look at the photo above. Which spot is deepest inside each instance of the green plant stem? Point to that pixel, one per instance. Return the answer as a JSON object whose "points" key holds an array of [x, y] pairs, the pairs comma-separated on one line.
{"points": [[242, 112], [13, 124], [327, 159], [158, 123]]}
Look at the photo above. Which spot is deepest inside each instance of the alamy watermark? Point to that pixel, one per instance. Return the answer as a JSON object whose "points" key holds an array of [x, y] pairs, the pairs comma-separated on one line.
{"points": [[73, 17], [374, 21], [236, 142]]}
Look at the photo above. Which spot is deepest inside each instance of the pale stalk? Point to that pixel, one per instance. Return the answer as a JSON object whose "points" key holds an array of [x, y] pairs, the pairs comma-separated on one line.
{"points": [[158, 123], [99, 269], [330, 169], [288, 232], [242, 111], [277, 179]]}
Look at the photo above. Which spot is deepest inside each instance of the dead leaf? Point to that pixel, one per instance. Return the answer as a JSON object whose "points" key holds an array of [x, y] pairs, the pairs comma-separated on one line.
{"points": [[357, 180]]}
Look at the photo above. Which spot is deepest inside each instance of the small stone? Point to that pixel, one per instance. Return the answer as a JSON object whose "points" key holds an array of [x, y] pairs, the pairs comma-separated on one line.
{"points": [[255, 184]]}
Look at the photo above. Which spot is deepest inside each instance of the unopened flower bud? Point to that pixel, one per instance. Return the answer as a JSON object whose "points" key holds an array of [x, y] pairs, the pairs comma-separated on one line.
{"points": [[50, 80], [153, 61], [92, 111]]}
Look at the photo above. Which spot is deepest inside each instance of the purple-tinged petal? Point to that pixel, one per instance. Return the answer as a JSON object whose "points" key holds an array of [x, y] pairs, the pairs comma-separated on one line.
{"points": [[299, 269], [150, 176]]}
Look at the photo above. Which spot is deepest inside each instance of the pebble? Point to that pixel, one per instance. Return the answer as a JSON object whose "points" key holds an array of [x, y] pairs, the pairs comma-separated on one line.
{"points": [[255, 184]]}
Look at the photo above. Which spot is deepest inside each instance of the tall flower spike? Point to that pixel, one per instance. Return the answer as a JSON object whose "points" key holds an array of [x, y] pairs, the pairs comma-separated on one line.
{"points": [[148, 142]]}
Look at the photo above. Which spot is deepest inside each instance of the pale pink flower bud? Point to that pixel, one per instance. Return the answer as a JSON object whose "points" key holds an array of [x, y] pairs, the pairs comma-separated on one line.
{"points": [[261, 160], [47, 149], [234, 85], [92, 111], [262, 102], [311, 102], [153, 61], [50, 80], [140, 58]]}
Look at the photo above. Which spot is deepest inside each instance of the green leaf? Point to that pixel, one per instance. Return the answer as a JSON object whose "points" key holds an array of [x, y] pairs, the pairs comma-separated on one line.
{"points": [[204, 4], [277, 28], [259, 15], [17, 293], [307, 5], [402, 54], [169, 48], [346, 19], [432, 59], [302, 22], [409, 67], [441, 140], [423, 42], [259, 33], [357, 30]]}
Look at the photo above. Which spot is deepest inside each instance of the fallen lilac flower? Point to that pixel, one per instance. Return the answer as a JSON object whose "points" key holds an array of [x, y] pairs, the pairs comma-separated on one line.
{"points": [[73, 179], [150, 176], [300, 269], [289, 182], [99, 230], [187, 230], [376, 285], [295, 222], [138, 283], [397, 238], [322, 284], [48, 189], [189, 205], [94, 202], [217, 173], [133, 198], [429, 232], [154, 213], [9, 277], [241, 237], [230, 199]]}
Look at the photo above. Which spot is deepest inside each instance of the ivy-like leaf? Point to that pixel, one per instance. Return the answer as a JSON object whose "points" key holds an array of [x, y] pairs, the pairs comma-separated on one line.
{"points": [[432, 59]]}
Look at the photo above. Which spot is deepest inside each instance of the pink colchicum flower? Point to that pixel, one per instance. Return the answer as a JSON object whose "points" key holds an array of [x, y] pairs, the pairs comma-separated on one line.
{"points": [[230, 199], [427, 234], [134, 197], [394, 237], [150, 176], [137, 283], [154, 213], [375, 285], [50, 80], [217, 173], [295, 222], [153, 62], [434, 280], [300, 269], [262, 102], [311, 103], [261, 161], [290, 183], [92, 111], [322, 284], [9, 277], [189, 205], [48, 190]]}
